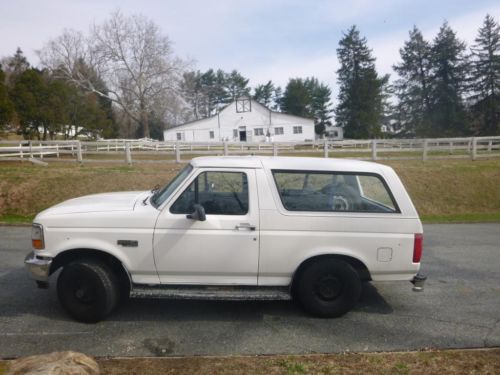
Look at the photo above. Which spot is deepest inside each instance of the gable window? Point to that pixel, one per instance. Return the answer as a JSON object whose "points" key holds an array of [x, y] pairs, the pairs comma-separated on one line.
{"points": [[297, 130], [258, 131], [220, 193], [278, 131], [243, 105], [334, 192], [212, 135]]}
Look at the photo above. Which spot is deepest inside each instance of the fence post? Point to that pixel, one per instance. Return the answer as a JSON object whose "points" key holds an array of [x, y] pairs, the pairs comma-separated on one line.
{"points": [[473, 154], [490, 143], [21, 150], [41, 149], [128, 154], [177, 153], [225, 148], [79, 157], [325, 149], [451, 147], [424, 154], [275, 149], [31, 150], [374, 150]]}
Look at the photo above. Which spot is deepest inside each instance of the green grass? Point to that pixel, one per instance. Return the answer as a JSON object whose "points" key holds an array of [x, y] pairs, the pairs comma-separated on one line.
{"points": [[16, 219], [443, 191], [491, 217]]}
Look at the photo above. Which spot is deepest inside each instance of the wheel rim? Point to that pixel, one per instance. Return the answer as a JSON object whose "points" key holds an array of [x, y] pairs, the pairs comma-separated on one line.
{"points": [[83, 292], [328, 287]]}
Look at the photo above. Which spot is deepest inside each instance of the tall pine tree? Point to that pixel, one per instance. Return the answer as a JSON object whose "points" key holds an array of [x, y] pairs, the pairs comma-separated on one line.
{"points": [[6, 107], [308, 98], [413, 86], [485, 79], [361, 91], [448, 72]]}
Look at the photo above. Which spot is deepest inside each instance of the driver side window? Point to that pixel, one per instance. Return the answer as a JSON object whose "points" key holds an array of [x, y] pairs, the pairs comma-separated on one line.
{"points": [[220, 193]]}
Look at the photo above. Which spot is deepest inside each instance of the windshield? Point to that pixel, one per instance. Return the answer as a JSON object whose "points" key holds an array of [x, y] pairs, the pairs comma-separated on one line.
{"points": [[160, 195]]}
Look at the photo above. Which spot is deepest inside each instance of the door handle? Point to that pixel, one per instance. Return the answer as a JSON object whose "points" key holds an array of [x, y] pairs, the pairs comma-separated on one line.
{"points": [[244, 226]]}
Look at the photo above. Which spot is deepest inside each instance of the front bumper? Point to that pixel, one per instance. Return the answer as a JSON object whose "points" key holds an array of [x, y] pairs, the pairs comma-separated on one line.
{"points": [[38, 268]]}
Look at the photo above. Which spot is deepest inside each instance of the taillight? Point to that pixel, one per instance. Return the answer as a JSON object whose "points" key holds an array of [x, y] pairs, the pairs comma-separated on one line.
{"points": [[37, 237], [418, 247]]}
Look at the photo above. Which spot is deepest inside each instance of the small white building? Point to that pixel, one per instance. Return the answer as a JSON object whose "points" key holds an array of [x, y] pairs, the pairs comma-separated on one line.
{"points": [[244, 120], [334, 133]]}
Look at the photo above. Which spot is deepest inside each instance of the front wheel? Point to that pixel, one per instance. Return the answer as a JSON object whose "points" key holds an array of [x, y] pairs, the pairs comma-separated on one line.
{"points": [[328, 288], [88, 290]]}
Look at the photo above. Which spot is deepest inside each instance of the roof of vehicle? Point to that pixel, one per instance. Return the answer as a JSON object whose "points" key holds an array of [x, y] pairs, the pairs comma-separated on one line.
{"points": [[285, 162]]}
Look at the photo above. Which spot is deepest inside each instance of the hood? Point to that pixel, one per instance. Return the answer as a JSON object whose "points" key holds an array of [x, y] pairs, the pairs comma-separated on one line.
{"points": [[107, 202]]}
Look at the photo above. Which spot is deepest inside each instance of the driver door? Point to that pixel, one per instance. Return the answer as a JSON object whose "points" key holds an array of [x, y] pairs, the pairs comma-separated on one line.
{"points": [[223, 249]]}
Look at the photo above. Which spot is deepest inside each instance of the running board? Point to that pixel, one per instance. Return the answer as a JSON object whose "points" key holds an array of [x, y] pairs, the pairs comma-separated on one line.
{"points": [[231, 293]]}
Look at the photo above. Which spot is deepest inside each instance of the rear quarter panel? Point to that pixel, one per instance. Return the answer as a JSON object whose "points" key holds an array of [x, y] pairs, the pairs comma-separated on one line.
{"points": [[381, 241]]}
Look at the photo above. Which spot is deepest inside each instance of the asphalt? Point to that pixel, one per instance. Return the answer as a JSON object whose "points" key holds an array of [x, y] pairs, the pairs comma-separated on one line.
{"points": [[460, 308]]}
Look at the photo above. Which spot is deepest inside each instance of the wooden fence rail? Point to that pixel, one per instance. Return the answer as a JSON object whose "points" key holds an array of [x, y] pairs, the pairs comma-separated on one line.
{"points": [[131, 150]]}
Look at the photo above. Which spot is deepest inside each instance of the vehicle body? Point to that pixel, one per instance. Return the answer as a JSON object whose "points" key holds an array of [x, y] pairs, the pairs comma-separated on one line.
{"points": [[234, 228]]}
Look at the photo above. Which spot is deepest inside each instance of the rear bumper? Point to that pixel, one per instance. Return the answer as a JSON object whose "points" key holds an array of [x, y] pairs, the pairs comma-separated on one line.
{"points": [[418, 282], [38, 268]]}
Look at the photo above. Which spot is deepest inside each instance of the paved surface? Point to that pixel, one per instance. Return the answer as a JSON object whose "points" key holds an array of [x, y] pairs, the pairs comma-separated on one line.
{"points": [[460, 308]]}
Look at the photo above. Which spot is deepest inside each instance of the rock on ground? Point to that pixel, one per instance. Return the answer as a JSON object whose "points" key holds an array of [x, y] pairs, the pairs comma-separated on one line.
{"points": [[56, 363]]}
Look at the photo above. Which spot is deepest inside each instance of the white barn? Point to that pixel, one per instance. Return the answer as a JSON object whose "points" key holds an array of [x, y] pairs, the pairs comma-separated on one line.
{"points": [[244, 120]]}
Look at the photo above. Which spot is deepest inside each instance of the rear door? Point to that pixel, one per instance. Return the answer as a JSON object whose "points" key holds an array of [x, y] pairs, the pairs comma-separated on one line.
{"points": [[223, 249]]}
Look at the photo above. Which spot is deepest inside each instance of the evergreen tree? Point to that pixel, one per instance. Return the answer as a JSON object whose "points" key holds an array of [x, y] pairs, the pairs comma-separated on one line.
{"points": [[296, 98], [18, 63], [308, 98], [320, 104], [236, 85], [485, 79], [413, 87], [6, 107], [361, 91], [264, 94], [448, 73]]}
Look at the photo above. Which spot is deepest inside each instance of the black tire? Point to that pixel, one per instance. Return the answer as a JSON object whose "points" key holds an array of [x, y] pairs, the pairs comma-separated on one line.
{"points": [[88, 290], [328, 288]]}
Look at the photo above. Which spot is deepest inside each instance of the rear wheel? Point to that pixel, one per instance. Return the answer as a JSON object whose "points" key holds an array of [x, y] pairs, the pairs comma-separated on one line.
{"points": [[328, 288], [88, 290]]}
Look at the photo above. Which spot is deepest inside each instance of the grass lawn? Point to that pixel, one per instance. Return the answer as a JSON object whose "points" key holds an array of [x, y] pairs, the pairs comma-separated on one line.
{"points": [[482, 361], [457, 190]]}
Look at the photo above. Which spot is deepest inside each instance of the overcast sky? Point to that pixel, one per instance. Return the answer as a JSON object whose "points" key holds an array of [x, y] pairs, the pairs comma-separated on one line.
{"points": [[263, 39]]}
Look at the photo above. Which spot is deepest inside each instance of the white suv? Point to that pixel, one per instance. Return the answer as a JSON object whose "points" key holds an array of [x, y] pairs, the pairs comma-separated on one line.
{"points": [[234, 228]]}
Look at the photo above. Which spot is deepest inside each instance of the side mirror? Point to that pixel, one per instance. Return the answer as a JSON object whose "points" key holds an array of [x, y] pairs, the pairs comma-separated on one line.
{"points": [[198, 214]]}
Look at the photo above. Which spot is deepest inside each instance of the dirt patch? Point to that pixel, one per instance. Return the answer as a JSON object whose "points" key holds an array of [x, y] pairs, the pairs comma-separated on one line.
{"points": [[430, 362]]}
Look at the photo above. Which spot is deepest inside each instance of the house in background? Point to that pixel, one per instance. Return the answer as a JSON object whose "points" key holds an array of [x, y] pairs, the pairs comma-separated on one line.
{"points": [[244, 120]]}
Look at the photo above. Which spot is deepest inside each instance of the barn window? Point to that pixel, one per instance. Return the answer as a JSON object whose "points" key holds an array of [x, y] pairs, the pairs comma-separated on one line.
{"points": [[212, 135], [279, 131], [243, 105], [179, 136], [258, 131], [297, 130]]}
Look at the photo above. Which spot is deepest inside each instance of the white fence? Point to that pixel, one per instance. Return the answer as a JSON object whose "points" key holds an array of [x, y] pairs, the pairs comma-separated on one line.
{"points": [[128, 150]]}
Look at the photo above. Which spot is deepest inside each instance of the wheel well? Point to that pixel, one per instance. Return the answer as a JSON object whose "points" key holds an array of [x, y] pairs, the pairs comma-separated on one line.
{"points": [[358, 265], [111, 261]]}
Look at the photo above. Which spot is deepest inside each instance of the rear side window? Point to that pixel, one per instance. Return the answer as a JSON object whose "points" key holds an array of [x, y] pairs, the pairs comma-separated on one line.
{"points": [[334, 192], [220, 193]]}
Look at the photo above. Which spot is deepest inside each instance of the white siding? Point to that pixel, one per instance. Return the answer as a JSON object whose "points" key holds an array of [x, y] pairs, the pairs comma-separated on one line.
{"points": [[229, 123]]}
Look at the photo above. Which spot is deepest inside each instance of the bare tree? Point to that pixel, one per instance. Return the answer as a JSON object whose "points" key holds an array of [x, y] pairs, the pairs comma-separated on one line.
{"points": [[130, 54]]}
